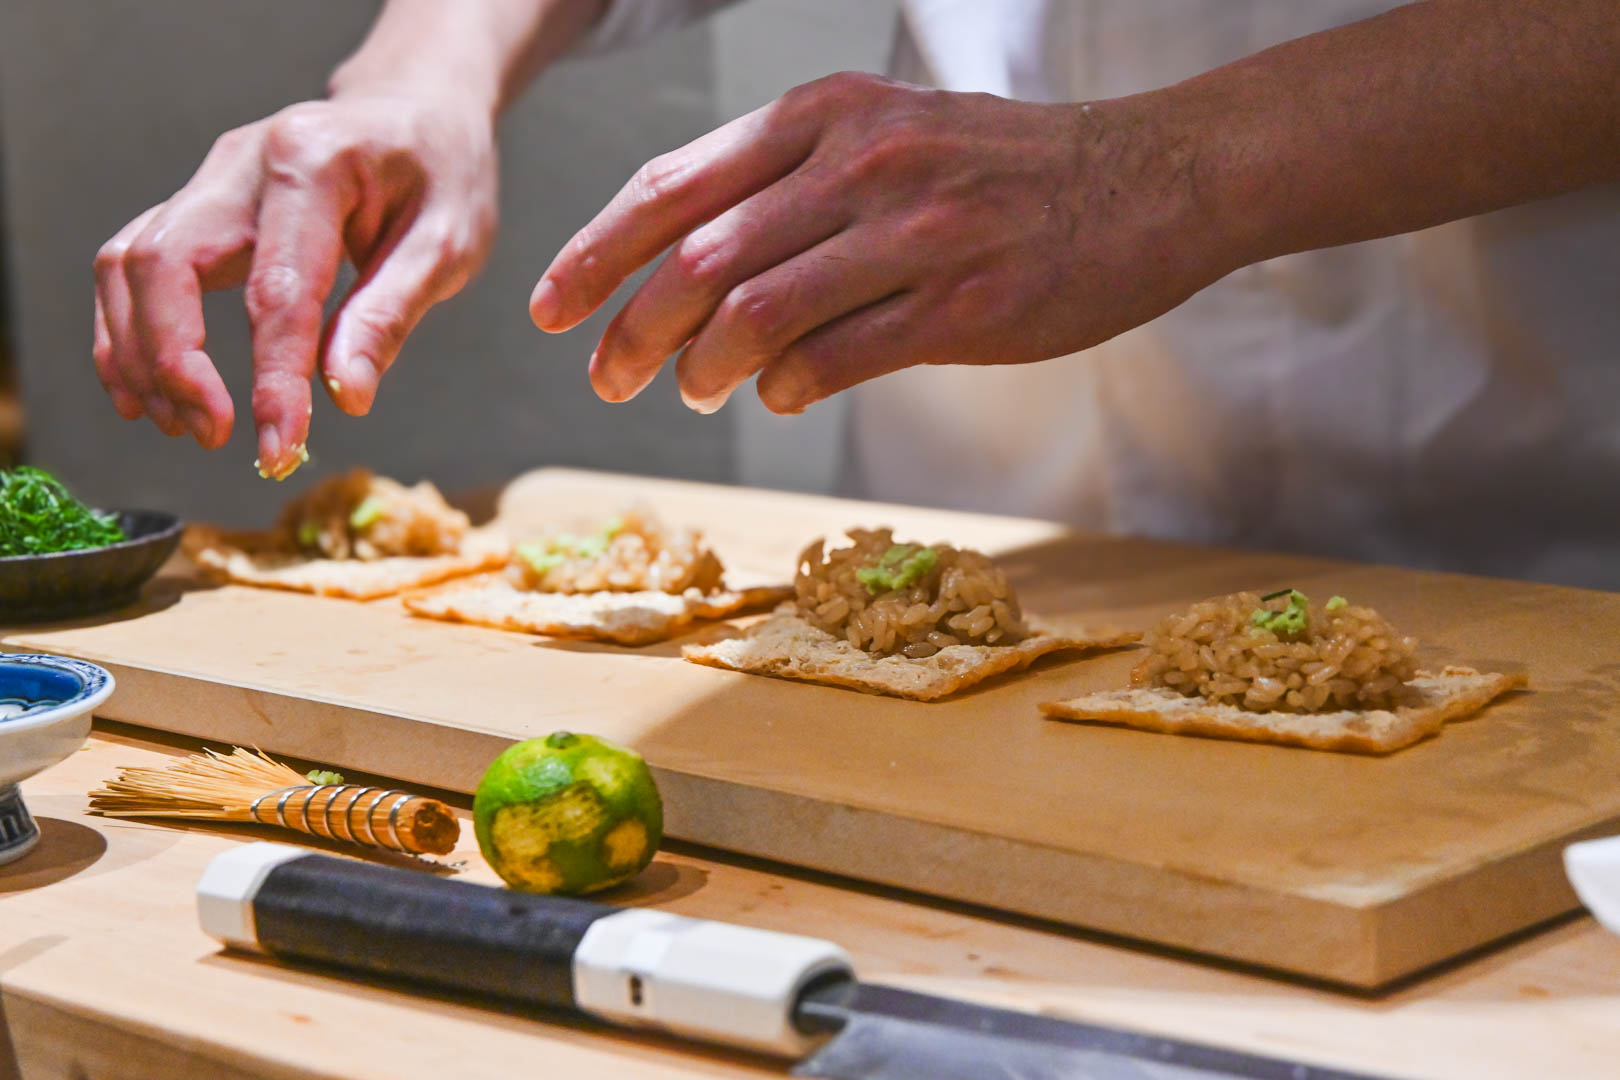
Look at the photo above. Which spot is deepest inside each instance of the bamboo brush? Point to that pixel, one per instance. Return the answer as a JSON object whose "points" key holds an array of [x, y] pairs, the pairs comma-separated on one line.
{"points": [[248, 786]]}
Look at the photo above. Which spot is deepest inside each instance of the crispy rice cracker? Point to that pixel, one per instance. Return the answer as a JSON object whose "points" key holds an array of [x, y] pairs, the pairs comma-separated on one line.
{"points": [[787, 646], [627, 618], [1453, 694], [244, 558]]}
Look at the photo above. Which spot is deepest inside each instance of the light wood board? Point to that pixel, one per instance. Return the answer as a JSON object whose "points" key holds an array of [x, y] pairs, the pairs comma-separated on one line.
{"points": [[1352, 869], [105, 973]]}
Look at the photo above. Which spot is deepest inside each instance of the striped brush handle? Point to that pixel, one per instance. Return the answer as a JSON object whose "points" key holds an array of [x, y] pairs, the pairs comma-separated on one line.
{"points": [[376, 817]]}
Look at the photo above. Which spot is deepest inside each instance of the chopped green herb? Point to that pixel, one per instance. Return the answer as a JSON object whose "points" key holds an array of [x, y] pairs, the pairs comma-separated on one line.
{"points": [[1289, 622], [901, 566], [367, 513], [324, 776], [540, 556], [1335, 604], [309, 533], [549, 552], [38, 516], [591, 547]]}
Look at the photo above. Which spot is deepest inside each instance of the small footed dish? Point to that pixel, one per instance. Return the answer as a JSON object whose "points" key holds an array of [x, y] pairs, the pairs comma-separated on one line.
{"points": [[45, 708], [68, 584]]}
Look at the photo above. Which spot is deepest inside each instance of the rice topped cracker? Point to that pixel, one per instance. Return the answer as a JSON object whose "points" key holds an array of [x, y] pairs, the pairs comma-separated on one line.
{"points": [[1452, 694], [632, 582], [788, 646], [625, 618], [355, 535], [246, 560]]}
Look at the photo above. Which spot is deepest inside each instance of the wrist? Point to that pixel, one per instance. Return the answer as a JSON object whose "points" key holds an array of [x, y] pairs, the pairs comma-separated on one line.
{"points": [[439, 85], [1158, 172]]}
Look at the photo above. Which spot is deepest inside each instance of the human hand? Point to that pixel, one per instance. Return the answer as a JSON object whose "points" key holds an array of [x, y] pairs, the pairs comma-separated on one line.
{"points": [[404, 184], [857, 226]]}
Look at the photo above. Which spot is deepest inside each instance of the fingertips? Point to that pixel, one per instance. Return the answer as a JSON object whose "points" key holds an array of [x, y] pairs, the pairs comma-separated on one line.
{"points": [[101, 354], [545, 305], [351, 380], [281, 413], [429, 265], [667, 198], [847, 351], [613, 382]]}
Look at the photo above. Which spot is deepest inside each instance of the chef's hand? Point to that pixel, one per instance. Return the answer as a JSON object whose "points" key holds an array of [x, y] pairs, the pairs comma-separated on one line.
{"points": [[858, 225], [403, 184]]}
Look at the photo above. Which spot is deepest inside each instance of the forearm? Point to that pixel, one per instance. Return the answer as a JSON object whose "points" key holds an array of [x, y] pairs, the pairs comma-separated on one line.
{"points": [[485, 50], [1432, 112]]}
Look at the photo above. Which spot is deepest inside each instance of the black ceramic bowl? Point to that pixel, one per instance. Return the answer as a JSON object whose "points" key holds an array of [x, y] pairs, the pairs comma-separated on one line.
{"points": [[67, 584]]}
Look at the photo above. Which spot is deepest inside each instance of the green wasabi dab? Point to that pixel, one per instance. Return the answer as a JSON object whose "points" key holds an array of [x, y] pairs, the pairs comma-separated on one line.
{"points": [[1289, 622], [366, 513], [548, 553], [901, 566]]}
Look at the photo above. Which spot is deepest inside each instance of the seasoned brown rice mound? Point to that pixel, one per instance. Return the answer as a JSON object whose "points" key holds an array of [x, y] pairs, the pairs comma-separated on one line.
{"points": [[889, 598], [1280, 653], [634, 552], [360, 515]]}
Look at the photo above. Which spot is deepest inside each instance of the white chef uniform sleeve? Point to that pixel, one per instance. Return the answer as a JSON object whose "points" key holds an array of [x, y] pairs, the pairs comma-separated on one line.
{"points": [[627, 22]]}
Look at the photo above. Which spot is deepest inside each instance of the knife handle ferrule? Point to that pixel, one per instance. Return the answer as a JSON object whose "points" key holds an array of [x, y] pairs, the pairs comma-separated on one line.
{"points": [[704, 980]]}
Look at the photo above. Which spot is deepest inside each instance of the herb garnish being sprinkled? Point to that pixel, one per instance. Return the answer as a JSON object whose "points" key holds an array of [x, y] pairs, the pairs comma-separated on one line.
{"points": [[899, 567], [38, 516]]}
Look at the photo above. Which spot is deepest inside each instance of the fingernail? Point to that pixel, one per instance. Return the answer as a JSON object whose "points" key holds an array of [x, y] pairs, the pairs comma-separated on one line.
{"points": [[269, 459], [197, 422], [545, 306], [706, 406]]}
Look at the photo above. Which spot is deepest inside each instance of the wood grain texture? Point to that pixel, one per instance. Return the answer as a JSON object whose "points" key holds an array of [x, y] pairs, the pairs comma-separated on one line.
{"points": [[104, 973], [1349, 869]]}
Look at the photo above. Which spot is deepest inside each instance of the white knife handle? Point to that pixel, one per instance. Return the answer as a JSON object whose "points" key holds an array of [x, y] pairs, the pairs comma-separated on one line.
{"points": [[705, 980], [1593, 867]]}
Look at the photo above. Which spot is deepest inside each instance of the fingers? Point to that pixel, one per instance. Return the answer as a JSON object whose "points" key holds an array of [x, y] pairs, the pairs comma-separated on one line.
{"points": [[116, 350], [859, 346], [300, 245], [666, 199], [190, 244], [428, 265], [695, 278], [762, 318], [128, 406]]}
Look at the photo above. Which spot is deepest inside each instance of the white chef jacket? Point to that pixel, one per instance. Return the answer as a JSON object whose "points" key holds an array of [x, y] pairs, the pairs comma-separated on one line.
{"points": [[1445, 398]]}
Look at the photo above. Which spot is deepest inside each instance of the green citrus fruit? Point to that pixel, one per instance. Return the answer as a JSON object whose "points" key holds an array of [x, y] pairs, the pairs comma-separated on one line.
{"points": [[567, 814]]}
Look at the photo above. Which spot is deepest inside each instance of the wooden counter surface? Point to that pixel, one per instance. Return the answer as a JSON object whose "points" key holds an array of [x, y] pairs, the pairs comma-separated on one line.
{"points": [[104, 974]]}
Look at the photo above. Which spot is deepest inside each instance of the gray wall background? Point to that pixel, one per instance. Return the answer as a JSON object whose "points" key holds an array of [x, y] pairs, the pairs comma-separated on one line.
{"points": [[107, 106]]}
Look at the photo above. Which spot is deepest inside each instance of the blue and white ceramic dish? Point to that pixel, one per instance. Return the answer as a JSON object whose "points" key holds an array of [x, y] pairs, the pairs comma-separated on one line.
{"points": [[45, 708]]}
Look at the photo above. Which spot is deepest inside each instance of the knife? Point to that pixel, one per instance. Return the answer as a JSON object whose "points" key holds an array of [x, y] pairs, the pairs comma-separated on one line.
{"points": [[1593, 868], [781, 994]]}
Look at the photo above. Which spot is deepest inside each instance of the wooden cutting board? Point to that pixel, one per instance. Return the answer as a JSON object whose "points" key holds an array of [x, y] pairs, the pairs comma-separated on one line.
{"points": [[1352, 869]]}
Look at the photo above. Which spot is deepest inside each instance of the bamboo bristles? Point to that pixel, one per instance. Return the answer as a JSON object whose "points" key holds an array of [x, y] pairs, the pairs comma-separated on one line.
{"points": [[248, 786]]}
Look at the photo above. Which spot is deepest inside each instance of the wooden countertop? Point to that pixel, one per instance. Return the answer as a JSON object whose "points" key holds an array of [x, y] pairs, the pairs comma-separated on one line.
{"points": [[104, 973]]}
